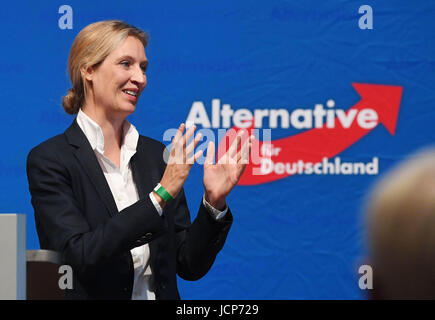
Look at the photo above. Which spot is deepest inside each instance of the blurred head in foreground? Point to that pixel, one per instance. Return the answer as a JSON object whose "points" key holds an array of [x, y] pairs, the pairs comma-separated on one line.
{"points": [[401, 230]]}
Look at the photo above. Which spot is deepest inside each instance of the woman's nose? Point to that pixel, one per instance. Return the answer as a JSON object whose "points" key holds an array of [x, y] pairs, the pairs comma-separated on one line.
{"points": [[139, 76]]}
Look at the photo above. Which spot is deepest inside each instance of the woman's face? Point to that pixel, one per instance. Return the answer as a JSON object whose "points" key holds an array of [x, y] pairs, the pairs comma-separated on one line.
{"points": [[119, 80]]}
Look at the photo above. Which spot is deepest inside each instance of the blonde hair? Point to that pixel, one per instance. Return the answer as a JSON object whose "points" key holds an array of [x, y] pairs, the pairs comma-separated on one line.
{"points": [[401, 229], [91, 46]]}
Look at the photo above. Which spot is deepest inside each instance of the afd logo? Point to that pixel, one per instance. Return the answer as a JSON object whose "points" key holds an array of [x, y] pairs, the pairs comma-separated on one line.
{"points": [[328, 132]]}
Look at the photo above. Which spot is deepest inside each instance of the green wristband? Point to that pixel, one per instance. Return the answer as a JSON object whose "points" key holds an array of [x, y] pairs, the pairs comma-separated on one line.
{"points": [[165, 195]]}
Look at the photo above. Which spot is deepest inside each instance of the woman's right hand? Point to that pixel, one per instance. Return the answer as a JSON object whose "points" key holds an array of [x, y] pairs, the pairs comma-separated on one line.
{"points": [[180, 162]]}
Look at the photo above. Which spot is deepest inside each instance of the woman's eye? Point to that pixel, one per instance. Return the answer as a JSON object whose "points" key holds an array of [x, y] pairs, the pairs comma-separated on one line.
{"points": [[125, 63]]}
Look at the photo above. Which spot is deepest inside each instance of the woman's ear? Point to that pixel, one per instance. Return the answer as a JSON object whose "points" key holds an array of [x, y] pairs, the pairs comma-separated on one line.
{"points": [[87, 73]]}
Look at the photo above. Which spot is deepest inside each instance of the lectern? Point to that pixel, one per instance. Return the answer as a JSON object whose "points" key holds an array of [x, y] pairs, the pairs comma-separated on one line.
{"points": [[32, 274], [12, 256], [43, 275]]}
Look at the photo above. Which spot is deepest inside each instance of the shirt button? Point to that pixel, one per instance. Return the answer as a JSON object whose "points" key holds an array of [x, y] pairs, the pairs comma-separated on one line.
{"points": [[121, 198]]}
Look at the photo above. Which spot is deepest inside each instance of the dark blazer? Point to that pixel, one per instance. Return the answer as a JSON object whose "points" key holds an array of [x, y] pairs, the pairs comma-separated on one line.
{"points": [[76, 215]]}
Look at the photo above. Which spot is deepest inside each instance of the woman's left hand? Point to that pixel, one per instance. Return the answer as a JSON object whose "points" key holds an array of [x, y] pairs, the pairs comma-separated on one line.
{"points": [[220, 178]]}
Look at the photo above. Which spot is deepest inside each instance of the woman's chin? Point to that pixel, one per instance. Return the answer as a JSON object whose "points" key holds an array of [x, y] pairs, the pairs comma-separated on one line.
{"points": [[125, 110]]}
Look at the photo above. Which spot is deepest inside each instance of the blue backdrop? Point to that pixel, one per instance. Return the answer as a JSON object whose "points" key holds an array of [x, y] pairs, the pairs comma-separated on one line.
{"points": [[305, 241]]}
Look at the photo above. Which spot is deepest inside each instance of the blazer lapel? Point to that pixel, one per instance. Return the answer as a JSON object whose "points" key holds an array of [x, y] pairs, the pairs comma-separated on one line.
{"points": [[88, 160], [145, 171]]}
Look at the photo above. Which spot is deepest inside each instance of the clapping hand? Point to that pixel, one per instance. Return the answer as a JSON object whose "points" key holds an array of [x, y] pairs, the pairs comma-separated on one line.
{"points": [[220, 178], [180, 162]]}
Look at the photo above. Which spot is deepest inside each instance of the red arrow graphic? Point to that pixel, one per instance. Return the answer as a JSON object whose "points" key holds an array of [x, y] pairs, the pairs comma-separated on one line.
{"points": [[315, 144]]}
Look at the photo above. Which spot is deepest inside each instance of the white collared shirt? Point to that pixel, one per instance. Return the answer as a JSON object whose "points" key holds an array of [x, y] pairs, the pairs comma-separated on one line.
{"points": [[123, 188]]}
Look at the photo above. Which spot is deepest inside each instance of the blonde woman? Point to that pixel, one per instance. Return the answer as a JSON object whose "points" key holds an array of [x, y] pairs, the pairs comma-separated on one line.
{"points": [[102, 194]]}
